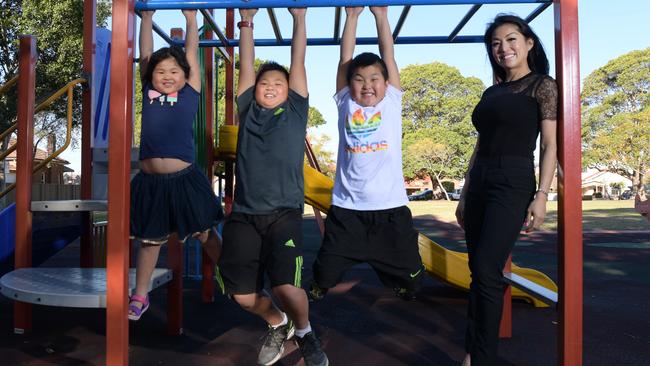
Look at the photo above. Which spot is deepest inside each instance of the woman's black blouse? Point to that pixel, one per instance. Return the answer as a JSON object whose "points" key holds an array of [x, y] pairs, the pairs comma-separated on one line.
{"points": [[508, 115]]}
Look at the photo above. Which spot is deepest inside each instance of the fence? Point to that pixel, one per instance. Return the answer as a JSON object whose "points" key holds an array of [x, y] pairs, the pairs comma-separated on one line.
{"points": [[47, 192]]}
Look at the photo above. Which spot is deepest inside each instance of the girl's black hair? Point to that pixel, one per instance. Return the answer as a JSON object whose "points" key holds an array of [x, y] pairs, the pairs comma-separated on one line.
{"points": [[270, 66], [537, 60], [364, 60], [164, 53]]}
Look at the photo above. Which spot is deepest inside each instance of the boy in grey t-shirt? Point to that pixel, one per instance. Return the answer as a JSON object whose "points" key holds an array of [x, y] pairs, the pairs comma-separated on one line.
{"points": [[262, 237]]}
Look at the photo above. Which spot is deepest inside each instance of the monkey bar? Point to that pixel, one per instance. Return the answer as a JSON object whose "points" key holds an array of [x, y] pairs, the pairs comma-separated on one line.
{"points": [[121, 114]]}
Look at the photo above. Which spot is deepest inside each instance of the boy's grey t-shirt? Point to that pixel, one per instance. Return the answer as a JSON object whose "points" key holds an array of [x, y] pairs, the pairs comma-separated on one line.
{"points": [[270, 154]]}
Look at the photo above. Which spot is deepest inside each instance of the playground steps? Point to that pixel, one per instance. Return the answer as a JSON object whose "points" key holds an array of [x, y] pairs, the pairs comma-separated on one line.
{"points": [[70, 205], [68, 287]]}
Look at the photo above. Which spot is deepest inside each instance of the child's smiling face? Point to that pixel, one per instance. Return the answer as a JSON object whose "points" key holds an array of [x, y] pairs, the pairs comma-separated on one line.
{"points": [[272, 89], [368, 85], [168, 77]]}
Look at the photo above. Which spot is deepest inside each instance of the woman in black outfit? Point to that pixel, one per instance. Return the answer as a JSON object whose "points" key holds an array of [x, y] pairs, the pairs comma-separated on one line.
{"points": [[500, 194]]}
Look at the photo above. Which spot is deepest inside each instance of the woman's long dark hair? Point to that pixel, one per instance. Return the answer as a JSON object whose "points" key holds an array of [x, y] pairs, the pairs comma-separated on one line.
{"points": [[537, 60]]}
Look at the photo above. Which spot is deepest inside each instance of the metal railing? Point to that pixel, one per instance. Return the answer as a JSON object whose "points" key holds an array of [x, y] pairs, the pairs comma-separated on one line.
{"points": [[41, 107], [8, 84], [99, 243]]}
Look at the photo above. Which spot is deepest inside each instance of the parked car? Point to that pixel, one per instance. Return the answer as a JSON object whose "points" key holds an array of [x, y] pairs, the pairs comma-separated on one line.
{"points": [[625, 195], [425, 195], [455, 195]]}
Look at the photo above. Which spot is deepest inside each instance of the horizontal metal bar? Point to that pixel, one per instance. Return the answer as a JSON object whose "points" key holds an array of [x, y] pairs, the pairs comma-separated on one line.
{"points": [[215, 28], [463, 22], [162, 34], [360, 41], [223, 4], [400, 21], [70, 205], [537, 12], [274, 24], [530, 287]]}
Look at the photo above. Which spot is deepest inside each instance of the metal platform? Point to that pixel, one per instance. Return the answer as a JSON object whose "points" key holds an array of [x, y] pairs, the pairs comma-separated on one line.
{"points": [[70, 205], [530, 287], [68, 287]]}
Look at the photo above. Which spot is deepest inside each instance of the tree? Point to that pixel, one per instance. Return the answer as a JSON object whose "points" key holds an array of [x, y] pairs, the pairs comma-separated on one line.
{"points": [[616, 116], [58, 27], [325, 158], [432, 153], [438, 134], [437, 94]]}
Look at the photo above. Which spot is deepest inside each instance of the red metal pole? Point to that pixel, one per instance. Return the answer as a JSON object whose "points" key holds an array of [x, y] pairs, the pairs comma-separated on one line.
{"points": [[175, 287], [569, 183], [230, 108], [24, 161], [207, 282], [175, 262], [90, 21], [119, 170]]}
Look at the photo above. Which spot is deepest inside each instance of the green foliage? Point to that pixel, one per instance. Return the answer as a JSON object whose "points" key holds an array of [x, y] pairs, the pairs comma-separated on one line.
{"points": [[616, 116], [449, 186], [58, 27], [315, 118], [438, 134], [437, 94], [325, 158]]}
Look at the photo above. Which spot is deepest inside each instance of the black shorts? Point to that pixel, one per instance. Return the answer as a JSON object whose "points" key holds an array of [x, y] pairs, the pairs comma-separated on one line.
{"points": [[182, 202], [259, 245], [385, 239]]}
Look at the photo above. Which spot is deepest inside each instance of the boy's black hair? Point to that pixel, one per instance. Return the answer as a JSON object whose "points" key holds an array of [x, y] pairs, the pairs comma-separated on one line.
{"points": [[364, 60], [164, 53], [537, 60], [270, 66]]}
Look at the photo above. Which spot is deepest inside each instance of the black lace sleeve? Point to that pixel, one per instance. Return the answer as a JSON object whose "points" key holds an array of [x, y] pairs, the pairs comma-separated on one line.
{"points": [[546, 95]]}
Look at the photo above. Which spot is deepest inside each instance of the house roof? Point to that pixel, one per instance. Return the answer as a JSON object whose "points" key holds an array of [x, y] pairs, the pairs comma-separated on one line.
{"points": [[40, 155], [603, 177]]}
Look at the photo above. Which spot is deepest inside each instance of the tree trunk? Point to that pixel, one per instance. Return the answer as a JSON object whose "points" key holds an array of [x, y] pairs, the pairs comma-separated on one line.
{"points": [[439, 183]]}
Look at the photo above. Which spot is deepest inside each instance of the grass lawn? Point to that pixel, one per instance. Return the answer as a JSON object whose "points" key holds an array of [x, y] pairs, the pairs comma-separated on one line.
{"points": [[596, 215]]}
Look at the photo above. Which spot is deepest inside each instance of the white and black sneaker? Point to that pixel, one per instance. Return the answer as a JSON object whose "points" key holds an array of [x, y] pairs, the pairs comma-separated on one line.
{"points": [[273, 345]]}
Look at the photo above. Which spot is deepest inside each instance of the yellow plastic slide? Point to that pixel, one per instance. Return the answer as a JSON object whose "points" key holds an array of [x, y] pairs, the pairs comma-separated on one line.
{"points": [[447, 265]]}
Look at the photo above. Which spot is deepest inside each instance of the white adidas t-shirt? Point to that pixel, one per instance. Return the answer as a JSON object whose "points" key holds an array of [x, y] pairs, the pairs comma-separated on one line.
{"points": [[369, 165]]}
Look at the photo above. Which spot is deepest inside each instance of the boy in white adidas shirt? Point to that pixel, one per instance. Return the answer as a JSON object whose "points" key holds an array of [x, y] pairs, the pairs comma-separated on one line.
{"points": [[368, 220]]}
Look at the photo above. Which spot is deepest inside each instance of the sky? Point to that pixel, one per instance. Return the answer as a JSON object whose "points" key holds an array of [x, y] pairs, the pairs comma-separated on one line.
{"points": [[607, 30]]}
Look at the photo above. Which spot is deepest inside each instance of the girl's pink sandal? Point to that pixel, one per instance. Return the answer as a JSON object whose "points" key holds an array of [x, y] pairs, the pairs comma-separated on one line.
{"points": [[136, 312]]}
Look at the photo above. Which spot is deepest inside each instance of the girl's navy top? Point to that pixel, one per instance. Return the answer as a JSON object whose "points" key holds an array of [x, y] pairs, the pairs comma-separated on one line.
{"points": [[167, 123], [508, 115]]}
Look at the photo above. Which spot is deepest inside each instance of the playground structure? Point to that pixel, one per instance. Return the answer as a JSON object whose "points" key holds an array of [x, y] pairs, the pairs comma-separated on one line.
{"points": [[121, 76]]}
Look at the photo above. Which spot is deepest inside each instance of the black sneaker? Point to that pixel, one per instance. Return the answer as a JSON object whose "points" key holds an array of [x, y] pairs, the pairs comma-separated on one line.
{"points": [[316, 293], [273, 345], [404, 294], [311, 350]]}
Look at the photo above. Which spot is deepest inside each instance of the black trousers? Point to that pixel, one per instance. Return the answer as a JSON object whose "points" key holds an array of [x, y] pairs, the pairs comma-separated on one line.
{"points": [[500, 190]]}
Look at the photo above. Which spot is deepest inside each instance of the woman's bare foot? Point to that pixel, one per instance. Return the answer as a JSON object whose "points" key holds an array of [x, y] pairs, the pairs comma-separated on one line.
{"points": [[466, 361]]}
